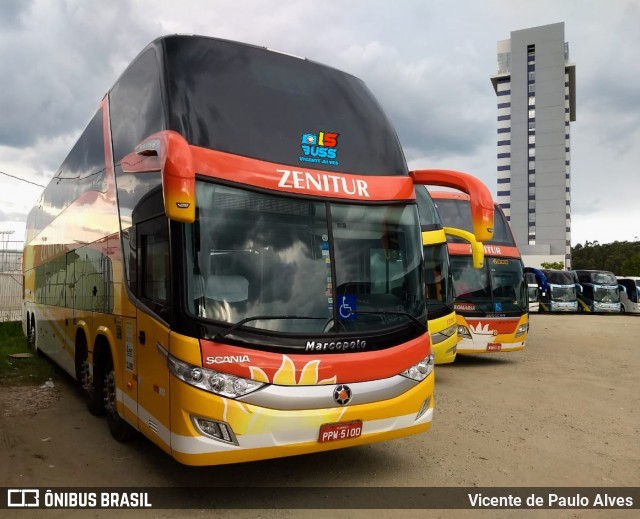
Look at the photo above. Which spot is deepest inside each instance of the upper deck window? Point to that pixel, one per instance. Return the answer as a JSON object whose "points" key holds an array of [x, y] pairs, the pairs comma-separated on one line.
{"points": [[457, 213], [257, 103]]}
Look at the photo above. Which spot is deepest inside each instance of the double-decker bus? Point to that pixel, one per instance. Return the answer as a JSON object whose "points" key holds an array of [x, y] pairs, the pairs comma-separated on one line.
{"points": [[536, 283], [629, 288], [229, 259], [438, 280], [491, 302], [599, 291], [561, 294]]}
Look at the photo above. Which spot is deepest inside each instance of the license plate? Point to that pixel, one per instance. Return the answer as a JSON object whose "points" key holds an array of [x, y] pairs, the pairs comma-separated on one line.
{"points": [[331, 432], [494, 346]]}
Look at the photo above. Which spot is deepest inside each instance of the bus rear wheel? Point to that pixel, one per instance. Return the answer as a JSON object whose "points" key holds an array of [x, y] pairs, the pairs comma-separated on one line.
{"points": [[92, 385], [31, 334], [118, 427]]}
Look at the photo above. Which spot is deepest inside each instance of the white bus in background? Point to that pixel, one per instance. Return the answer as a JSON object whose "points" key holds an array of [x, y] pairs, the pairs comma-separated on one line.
{"points": [[629, 294]]}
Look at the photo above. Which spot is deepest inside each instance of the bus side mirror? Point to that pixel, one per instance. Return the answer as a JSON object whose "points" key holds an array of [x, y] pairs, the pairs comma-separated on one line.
{"points": [[480, 199], [477, 248], [477, 254], [168, 152]]}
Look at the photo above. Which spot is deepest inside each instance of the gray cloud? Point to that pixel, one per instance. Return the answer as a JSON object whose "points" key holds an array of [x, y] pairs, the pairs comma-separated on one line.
{"points": [[59, 65], [428, 63], [12, 14]]}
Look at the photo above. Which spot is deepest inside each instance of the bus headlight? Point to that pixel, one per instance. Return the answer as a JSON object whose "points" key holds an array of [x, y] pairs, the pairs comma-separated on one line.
{"points": [[421, 370], [464, 332], [444, 334], [212, 381], [522, 329]]}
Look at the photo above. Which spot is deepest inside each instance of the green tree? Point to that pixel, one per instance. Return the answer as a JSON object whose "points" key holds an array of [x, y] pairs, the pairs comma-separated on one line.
{"points": [[553, 265], [620, 257]]}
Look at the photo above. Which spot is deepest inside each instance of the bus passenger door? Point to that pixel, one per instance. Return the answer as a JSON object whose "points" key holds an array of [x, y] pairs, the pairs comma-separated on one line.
{"points": [[152, 339]]}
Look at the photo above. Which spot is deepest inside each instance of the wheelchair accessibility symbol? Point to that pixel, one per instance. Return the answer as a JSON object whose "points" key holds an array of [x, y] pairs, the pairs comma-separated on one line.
{"points": [[347, 308]]}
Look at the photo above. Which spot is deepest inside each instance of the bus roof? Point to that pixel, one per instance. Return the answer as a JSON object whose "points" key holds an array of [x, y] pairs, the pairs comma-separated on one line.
{"points": [[448, 195], [253, 102]]}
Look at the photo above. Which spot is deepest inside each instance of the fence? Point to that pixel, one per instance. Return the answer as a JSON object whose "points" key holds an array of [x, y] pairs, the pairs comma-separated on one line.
{"points": [[10, 281]]}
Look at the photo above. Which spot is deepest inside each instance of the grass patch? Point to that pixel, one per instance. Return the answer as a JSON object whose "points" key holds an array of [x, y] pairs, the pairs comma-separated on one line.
{"points": [[20, 371]]}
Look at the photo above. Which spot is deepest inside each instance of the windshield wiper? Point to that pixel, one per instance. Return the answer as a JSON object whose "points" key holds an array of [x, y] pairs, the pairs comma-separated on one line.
{"points": [[386, 312], [235, 326]]}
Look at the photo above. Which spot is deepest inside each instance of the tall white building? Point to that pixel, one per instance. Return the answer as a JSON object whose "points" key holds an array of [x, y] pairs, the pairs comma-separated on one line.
{"points": [[535, 89]]}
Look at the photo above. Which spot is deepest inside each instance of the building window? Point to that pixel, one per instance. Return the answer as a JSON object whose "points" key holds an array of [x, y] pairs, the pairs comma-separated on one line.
{"points": [[532, 114], [532, 76], [504, 143], [532, 100], [504, 180], [504, 155], [504, 130], [532, 152], [532, 88], [532, 191], [504, 117], [504, 62], [532, 139]]}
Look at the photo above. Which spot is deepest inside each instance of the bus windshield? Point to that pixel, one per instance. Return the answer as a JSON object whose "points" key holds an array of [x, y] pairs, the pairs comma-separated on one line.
{"points": [[532, 283], [457, 213], [498, 287], [559, 277], [603, 278], [562, 293], [305, 266], [438, 282], [606, 294]]}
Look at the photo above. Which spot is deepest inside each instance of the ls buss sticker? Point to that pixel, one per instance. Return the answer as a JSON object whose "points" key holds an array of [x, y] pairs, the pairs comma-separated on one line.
{"points": [[320, 149]]}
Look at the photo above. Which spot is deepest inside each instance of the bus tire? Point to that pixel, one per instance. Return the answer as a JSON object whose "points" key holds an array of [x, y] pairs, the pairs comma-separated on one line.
{"points": [[31, 334], [91, 386], [118, 427]]}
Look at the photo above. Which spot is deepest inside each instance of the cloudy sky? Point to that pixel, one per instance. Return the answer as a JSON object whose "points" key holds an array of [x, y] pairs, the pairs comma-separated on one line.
{"points": [[428, 62]]}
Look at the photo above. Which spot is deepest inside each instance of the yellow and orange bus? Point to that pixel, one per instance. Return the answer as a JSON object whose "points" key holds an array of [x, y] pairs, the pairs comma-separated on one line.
{"points": [[490, 302], [229, 259], [438, 278]]}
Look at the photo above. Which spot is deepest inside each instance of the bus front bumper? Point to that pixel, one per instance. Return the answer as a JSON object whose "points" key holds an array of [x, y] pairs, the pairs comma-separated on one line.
{"points": [[262, 433]]}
